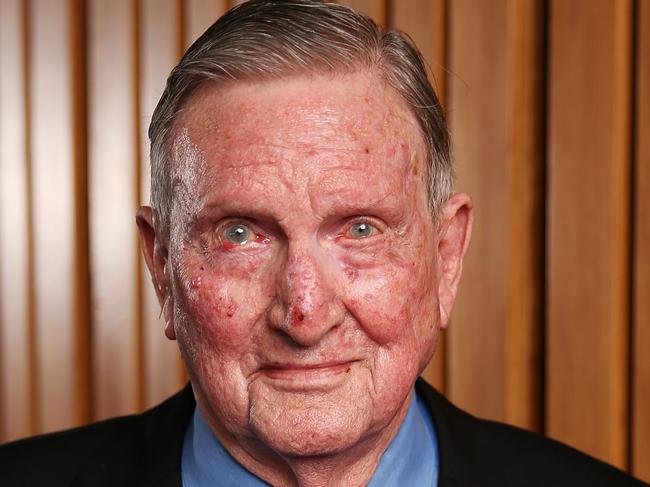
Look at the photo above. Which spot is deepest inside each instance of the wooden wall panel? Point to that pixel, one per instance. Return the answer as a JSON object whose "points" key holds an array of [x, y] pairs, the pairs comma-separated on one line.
{"points": [[199, 15], [113, 185], [588, 272], [16, 330], [477, 115], [641, 334], [525, 119], [60, 251], [161, 45], [425, 21], [496, 120], [377, 9]]}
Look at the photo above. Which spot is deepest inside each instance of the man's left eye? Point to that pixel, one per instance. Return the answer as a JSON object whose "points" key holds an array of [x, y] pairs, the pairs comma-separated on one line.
{"points": [[361, 230]]}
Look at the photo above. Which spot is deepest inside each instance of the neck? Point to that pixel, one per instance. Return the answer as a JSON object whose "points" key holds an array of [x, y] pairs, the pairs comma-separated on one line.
{"points": [[353, 466]]}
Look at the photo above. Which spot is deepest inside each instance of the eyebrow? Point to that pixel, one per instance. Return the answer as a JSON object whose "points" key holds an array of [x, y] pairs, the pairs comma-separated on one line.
{"points": [[384, 206], [381, 206], [218, 207]]}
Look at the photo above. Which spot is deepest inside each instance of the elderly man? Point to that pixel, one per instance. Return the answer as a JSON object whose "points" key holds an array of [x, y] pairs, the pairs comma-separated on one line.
{"points": [[306, 247]]}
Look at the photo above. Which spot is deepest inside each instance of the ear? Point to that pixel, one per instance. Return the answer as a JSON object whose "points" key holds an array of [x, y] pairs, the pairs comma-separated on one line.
{"points": [[155, 255], [454, 232]]}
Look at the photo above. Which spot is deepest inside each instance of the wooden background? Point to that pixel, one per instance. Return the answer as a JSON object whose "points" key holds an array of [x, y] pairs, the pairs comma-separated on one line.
{"points": [[549, 108]]}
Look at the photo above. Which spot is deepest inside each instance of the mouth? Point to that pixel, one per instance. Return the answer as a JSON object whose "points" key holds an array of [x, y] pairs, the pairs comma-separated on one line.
{"points": [[305, 377]]}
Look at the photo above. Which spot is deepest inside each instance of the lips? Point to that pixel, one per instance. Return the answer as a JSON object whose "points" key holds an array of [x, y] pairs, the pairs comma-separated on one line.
{"points": [[297, 371], [299, 377]]}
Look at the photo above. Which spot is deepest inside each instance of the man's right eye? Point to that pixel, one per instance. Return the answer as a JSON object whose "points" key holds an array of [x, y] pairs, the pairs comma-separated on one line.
{"points": [[237, 234]]}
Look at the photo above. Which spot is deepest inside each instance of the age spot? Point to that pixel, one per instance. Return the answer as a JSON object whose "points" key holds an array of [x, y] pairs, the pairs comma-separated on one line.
{"points": [[415, 166]]}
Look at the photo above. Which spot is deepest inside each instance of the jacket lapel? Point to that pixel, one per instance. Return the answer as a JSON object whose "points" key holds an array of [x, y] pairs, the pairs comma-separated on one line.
{"points": [[164, 430]]}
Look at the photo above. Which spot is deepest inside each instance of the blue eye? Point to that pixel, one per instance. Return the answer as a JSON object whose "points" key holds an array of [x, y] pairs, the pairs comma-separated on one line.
{"points": [[361, 230], [238, 234]]}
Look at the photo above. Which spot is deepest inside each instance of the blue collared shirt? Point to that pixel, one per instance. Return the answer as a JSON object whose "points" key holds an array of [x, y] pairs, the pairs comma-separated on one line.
{"points": [[410, 459]]}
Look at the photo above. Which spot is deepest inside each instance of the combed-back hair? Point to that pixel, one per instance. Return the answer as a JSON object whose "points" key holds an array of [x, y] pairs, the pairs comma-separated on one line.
{"points": [[273, 39]]}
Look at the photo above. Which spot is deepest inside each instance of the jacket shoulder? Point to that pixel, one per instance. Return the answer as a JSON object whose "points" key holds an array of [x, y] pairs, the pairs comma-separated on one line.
{"points": [[479, 452], [58, 457], [111, 452]]}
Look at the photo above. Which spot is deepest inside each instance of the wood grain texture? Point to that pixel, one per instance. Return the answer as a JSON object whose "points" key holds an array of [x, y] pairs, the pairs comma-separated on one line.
{"points": [[199, 15], [477, 98], [376, 9], [161, 46], [496, 114], [525, 215], [17, 411], [588, 245], [59, 230], [112, 171], [641, 333], [425, 22]]}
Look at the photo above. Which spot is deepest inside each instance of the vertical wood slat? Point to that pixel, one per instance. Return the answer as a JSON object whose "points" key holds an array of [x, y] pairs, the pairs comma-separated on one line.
{"points": [[376, 9], [641, 371], [496, 120], [199, 15], [525, 218], [59, 252], [477, 106], [160, 49], [16, 323], [588, 270], [112, 175], [424, 21], [82, 318]]}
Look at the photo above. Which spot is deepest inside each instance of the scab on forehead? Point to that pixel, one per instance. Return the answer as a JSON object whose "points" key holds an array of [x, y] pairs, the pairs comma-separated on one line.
{"points": [[415, 164]]}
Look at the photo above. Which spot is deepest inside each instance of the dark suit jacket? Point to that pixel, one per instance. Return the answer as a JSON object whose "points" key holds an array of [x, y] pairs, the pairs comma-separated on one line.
{"points": [[145, 450]]}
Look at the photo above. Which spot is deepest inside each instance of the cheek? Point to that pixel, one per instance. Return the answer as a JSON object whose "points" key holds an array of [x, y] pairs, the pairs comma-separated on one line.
{"points": [[224, 301], [393, 299], [378, 298]]}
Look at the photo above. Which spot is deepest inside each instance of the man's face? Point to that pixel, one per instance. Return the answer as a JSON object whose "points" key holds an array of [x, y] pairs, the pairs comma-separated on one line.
{"points": [[302, 262]]}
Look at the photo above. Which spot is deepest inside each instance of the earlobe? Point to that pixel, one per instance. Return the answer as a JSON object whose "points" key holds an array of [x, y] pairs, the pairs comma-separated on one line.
{"points": [[167, 313], [455, 230]]}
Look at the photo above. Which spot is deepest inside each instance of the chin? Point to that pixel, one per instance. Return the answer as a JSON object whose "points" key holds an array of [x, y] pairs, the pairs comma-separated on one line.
{"points": [[309, 424], [309, 433]]}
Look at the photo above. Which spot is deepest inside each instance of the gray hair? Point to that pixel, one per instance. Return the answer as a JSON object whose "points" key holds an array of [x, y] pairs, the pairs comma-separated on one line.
{"points": [[272, 39]]}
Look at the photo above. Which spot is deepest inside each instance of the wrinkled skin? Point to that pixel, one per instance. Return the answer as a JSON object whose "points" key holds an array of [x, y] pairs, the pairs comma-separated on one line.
{"points": [[304, 277]]}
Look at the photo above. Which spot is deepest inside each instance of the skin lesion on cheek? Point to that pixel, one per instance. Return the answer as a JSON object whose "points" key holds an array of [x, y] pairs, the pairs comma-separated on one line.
{"points": [[351, 273], [218, 288]]}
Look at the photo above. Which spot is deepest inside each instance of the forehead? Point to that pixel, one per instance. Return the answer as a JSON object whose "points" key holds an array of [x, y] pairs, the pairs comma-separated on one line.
{"points": [[329, 129]]}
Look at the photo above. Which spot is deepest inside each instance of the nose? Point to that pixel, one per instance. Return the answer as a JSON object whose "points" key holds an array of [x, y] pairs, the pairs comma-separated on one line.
{"points": [[307, 306]]}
